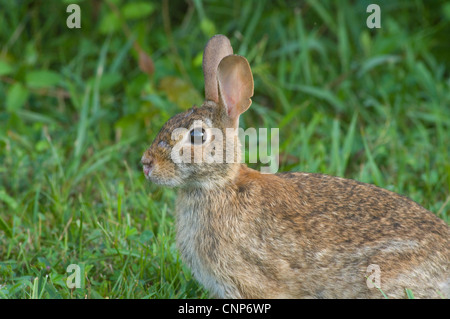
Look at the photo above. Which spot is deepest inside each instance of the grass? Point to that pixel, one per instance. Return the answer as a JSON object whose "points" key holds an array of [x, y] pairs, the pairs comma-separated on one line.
{"points": [[79, 107]]}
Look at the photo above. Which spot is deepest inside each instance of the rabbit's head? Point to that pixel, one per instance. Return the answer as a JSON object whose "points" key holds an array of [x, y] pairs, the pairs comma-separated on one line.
{"points": [[200, 147]]}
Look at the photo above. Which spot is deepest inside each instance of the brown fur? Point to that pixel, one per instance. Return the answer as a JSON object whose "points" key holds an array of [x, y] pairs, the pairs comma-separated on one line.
{"points": [[293, 235]]}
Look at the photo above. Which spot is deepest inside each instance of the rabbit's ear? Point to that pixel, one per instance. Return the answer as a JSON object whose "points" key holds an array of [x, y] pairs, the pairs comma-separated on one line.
{"points": [[235, 85], [216, 49]]}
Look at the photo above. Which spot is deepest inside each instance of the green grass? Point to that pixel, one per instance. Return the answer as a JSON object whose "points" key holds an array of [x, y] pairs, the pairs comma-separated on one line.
{"points": [[78, 111]]}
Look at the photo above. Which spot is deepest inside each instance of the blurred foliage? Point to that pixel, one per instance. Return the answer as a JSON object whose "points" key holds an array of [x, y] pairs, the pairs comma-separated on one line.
{"points": [[46, 67]]}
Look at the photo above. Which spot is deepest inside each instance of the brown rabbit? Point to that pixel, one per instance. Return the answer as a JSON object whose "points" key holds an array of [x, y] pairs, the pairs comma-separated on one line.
{"points": [[245, 234]]}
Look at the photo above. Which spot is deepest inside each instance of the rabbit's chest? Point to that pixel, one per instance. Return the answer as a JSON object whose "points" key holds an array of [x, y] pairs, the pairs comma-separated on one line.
{"points": [[200, 250]]}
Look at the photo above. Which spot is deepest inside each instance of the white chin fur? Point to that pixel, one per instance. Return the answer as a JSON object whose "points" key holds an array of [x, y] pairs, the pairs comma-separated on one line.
{"points": [[162, 182]]}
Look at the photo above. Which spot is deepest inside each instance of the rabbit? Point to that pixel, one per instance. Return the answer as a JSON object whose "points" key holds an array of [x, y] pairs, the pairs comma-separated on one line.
{"points": [[245, 234]]}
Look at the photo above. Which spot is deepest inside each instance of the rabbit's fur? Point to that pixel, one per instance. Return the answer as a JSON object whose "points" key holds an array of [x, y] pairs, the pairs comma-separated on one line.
{"points": [[288, 235]]}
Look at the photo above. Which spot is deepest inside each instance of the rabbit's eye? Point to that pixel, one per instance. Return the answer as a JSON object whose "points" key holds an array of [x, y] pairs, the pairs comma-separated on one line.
{"points": [[198, 136]]}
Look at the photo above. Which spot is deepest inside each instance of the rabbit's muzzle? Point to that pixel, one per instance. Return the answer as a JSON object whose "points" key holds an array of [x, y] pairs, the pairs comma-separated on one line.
{"points": [[147, 165]]}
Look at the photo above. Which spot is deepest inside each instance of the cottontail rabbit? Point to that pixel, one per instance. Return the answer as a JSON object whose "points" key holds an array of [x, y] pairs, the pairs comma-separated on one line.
{"points": [[245, 234]]}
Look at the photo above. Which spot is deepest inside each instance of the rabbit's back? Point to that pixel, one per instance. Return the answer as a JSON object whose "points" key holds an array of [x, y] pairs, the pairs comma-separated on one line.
{"points": [[309, 235], [353, 225]]}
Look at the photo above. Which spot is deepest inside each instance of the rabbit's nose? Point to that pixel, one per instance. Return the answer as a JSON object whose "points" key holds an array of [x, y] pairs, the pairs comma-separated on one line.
{"points": [[147, 170], [147, 165]]}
